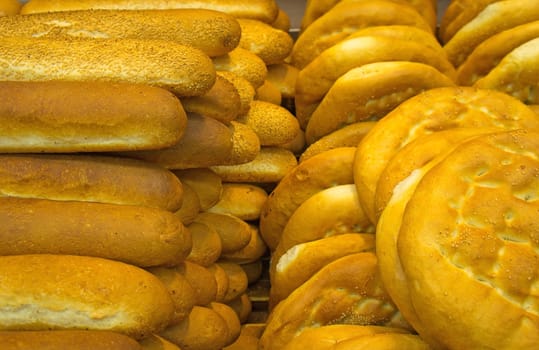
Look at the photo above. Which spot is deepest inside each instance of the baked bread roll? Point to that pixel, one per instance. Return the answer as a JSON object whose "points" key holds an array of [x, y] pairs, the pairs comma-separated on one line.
{"points": [[207, 245], [315, 80], [457, 14], [269, 92], [180, 290], [190, 205], [245, 144], [203, 329], [339, 291], [273, 124], [243, 306], [237, 280], [182, 69], [215, 33], [347, 17], [137, 235], [494, 18], [264, 10], [331, 211], [490, 52], [347, 136], [205, 142], [516, 74], [9, 7], [61, 116], [92, 178], [282, 21], [43, 292], [155, 342], [253, 251], [269, 166], [272, 45], [222, 281], [243, 86], [201, 279], [221, 102], [325, 170], [303, 260], [369, 92], [231, 318], [474, 108], [243, 201], [284, 76], [235, 233], [68, 339], [488, 207], [244, 63], [206, 183]]}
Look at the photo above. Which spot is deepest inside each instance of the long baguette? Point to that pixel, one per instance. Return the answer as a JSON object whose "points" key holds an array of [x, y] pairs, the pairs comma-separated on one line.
{"points": [[184, 70], [213, 32], [60, 292], [91, 178], [136, 235], [61, 116], [263, 10]]}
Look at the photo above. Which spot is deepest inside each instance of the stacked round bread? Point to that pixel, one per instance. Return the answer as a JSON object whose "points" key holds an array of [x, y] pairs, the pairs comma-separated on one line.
{"points": [[116, 229]]}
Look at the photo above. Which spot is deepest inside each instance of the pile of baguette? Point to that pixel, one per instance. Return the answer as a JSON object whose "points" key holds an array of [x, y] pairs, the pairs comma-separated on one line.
{"points": [[139, 141], [163, 163]]}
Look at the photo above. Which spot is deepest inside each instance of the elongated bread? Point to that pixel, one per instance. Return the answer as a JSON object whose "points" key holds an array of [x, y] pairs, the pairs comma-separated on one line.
{"points": [[235, 233], [231, 318], [269, 166], [264, 10], [244, 63], [283, 75], [315, 80], [516, 74], [269, 92], [182, 69], [180, 290], [243, 86], [92, 178], [84, 116], [68, 339], [201, 279], [206, 183], [190, 205], [237, 280], [307, 178], [213, 32], [43, 292], [205, 142], [137, 235], [243, 201], [207, 244], [9, 7], [253, 251], [245, 144], [369, 92], [347, 17], [272, 45], [221, 277], [222, 102]]}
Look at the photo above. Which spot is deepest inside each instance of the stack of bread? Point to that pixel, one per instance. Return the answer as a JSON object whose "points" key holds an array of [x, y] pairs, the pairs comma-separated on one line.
{"points": [[412, 204], [113, 115]]}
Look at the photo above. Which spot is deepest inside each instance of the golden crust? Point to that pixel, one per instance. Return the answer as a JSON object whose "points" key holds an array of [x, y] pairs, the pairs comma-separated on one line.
{"points": [[264, 10], [284, 76], [338, 290], [10, 7], [369, 92], [347, 17], [207, 245], [206, 183], [282, 21], [325, 170], [516, 74], [253, 251], [190, 205], [117, 297], [243, 86], [438, 110], [201, 279], [269, 92], [235, 233], [315, 80], [244, 63], [184, 70], [493, 19], [272, 45], [483, 198], [487, 55], [243, 201]]}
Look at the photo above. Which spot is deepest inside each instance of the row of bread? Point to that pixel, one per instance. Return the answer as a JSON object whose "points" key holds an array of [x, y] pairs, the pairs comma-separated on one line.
{"points": [[417, 230], [135, 145]]}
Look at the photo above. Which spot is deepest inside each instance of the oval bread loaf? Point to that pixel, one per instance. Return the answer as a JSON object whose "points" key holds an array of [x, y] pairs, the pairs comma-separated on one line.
{"points": [[182, 69], [62, 116], [44, 292]]}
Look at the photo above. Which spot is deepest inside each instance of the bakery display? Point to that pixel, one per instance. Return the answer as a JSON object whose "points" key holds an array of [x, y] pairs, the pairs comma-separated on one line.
{"points": [[218, 175]]}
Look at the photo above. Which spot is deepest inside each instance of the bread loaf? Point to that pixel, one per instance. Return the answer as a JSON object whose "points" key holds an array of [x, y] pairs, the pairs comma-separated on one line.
{"points": [[215, 33], [68, 339], [272, 45], [264, 10], [244, 63], [89, 178], [155, 342], [206, 183], [184, 70], [9, 7], [61, 116], [61, 292]]}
